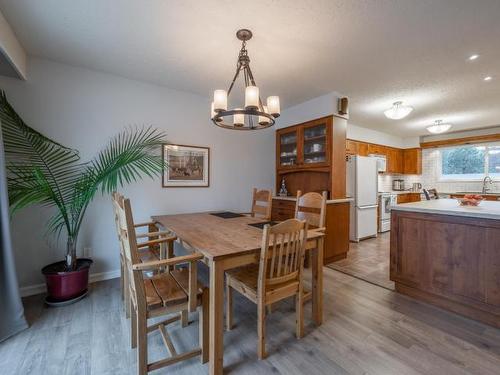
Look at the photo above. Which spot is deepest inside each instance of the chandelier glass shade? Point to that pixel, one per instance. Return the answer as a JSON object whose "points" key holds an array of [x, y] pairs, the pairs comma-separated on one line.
{"points": [[255, 115], [398, 111], [438, 127]]}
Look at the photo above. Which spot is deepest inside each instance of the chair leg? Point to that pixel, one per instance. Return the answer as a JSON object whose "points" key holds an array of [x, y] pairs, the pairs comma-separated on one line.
{"points": [[122, 281], [184, 318], [126, 296], [203, 324], [229, 307], [299, 313], [261, 328], [133, 328], [142, 347]]}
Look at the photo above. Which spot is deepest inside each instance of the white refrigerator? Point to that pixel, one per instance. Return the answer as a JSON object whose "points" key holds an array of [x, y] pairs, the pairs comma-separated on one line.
{"points": [[361, 181]]}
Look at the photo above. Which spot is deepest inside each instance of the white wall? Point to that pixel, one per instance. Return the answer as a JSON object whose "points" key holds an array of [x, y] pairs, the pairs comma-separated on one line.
{"points": [[321, 106], [83, 109], [11, 48]]}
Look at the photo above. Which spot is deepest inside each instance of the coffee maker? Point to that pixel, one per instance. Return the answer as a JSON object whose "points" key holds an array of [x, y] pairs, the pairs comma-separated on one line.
{"points": [[398, 184]]}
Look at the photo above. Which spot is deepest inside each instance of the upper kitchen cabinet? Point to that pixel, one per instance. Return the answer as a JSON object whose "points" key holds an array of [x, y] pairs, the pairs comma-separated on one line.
{"points": [[287, 147], [306, 145], [394, 160], [412, 161]]}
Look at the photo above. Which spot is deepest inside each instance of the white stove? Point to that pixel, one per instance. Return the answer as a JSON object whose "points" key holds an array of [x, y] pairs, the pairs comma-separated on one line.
{"points": [[386, 201]]}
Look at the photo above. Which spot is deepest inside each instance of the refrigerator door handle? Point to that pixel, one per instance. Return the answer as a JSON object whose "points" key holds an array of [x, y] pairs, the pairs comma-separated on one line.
{"points": [[367, 207]]}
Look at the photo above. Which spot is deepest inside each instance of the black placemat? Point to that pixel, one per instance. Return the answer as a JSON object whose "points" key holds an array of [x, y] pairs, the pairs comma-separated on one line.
{"points": [[261, 225], [227, 215]]}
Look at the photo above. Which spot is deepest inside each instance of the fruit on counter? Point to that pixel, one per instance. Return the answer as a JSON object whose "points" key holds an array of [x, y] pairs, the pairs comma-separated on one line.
{"points": [[471, 200]]}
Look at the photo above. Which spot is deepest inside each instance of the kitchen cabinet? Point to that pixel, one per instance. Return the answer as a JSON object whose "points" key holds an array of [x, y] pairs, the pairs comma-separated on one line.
{"points": [[362, 148], [412, 161], [305, 145], [408, 197], [337, 226], [351, 147], [394, 160], [376, 149]]}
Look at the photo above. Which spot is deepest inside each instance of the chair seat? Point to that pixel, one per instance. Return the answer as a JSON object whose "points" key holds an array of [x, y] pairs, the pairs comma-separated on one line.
{"points": [[150, 254], [168, 289], [245, 280]]}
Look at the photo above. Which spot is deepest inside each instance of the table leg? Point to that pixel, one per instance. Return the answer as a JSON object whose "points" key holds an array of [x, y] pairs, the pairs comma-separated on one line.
{"points": [[317, 283], [216, 318]]}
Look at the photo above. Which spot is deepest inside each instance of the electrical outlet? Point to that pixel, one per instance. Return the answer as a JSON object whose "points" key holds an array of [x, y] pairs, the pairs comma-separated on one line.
{"points": [[87, 252]]}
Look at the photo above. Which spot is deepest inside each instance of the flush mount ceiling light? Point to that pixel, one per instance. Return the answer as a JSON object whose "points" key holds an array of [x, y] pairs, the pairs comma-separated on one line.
{"points": [[254, 115], [438, 127], [398, 111], [473, 57], [487, 78]]}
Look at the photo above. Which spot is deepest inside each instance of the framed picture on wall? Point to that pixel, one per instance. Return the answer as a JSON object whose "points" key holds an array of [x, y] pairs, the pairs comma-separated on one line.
{"points": [[186, 166]]}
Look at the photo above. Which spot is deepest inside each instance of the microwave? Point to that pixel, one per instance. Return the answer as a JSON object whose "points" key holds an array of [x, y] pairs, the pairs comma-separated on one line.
{"points": [[381, 162]]}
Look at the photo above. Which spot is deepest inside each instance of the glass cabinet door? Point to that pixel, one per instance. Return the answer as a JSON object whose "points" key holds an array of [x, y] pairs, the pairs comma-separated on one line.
{"points": [[315, 144], [288, 149]]}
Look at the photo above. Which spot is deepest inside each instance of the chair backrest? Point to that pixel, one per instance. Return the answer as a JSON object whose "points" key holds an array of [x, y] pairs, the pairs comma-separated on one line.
{"points": [[431, 194], [129, 245], [282, 253], [115, 198], [264, 197], [311, 207]]}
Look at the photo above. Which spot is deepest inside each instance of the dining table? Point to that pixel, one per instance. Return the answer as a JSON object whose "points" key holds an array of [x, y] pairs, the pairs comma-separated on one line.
{"points": [[228, 240]]}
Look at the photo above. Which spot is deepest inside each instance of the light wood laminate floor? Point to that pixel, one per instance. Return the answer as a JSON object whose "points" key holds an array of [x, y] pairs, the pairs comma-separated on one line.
{"points": [[366, 330], [368, 260]]}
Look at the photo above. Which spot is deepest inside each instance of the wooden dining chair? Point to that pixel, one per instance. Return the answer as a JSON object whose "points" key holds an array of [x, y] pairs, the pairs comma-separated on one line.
{"points": [[261, 204], [153, 249], [277, 276], [311, 207], [169, 292]]}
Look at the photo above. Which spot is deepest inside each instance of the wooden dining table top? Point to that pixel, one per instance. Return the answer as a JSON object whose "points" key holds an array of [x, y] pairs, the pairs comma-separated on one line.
{"points": [[217, 237]]}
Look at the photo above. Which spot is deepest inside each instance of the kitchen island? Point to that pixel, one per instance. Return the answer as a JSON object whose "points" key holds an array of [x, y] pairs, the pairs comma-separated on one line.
{"points": [[448, 255]]}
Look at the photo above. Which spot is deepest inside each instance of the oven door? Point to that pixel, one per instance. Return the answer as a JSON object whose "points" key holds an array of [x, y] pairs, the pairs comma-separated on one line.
{"points": [[385, 213]]}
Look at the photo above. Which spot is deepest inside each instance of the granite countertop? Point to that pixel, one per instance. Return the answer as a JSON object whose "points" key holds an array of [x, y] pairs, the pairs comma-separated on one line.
{"points": [[486, 210], [329, 201]]}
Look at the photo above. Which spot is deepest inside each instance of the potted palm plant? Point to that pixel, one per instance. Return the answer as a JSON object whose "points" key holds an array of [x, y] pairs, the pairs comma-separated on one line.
{"points": [[41, 171]]}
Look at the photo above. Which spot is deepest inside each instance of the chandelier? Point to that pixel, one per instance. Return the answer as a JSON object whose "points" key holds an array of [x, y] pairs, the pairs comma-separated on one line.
{"points": [[254, 115], [398, 111]]}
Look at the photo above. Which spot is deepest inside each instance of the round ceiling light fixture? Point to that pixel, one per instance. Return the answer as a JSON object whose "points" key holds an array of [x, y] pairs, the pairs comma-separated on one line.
{"points": [[398, 111], [473, 57], [487, 78], [438, 127], [254, 115]]}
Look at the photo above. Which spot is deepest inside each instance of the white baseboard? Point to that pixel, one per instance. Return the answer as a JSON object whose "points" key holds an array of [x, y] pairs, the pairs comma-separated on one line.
{"points": [[93, 277]]}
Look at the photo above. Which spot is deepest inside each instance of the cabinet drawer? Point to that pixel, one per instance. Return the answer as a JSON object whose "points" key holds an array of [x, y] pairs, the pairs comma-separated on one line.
{"points": [[283, 204]]}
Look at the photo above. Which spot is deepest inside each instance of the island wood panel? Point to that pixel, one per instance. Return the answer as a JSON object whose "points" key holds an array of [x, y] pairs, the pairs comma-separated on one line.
{"points": [[450, 261]]}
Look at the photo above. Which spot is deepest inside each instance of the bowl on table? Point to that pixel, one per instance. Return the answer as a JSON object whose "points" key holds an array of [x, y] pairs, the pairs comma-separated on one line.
{"points": [[470, 200]]}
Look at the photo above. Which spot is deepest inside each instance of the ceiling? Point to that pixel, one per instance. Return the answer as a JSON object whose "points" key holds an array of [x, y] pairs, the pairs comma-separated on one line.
{"points": [[374, 51]]}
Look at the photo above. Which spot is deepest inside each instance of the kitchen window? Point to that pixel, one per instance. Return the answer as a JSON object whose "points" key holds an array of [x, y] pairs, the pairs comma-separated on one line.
{"points": [[470, 162]]}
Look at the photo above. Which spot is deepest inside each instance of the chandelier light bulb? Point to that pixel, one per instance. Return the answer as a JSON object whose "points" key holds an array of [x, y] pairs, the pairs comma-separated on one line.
{"points": [[273, 105], [398, 111], [251, 97], [220, 100], [438, 127], [238, 119], [262, 119]]}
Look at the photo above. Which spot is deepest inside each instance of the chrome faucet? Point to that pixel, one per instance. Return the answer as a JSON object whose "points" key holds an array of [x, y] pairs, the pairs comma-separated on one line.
{"points": [[485, 180]]}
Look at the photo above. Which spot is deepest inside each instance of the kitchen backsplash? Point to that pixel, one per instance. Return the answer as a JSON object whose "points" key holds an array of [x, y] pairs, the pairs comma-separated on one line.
{"points": [[430, 178]]}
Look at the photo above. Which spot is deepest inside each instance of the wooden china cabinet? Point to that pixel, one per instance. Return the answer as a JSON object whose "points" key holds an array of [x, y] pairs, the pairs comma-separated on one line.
{"points": [[311, 157]]}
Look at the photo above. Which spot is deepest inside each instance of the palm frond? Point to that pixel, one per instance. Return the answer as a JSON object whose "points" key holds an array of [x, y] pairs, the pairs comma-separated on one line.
{"points": [[35, 162]]}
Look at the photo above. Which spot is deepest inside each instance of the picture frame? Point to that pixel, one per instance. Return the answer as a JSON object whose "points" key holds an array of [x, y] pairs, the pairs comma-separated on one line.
{"points": [[185, 166]]}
